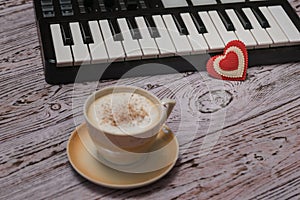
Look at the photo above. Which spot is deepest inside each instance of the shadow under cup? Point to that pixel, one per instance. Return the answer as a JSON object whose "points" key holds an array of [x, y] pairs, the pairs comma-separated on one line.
{"points": [[126, 147]]}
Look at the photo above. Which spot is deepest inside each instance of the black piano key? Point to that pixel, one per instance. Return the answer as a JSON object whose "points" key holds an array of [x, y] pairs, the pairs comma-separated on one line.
{"points": [[190, 3], [135, 33], [66, 33], [180, 24], [115, 29], [260, 17], [198, 23], [226, 20], [244, 19], [152, 27], [86, 33]]}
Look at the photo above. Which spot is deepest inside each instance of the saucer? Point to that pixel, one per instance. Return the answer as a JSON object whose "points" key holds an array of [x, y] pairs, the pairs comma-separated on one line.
{"points": [[95, 171]]}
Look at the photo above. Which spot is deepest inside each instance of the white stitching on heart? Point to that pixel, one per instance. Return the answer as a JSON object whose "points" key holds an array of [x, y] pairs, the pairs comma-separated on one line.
{"points": [[238, 73]]}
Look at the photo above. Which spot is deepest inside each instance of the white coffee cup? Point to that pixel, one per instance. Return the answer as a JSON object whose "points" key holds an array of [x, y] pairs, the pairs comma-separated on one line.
{"points": [[122, 137]]}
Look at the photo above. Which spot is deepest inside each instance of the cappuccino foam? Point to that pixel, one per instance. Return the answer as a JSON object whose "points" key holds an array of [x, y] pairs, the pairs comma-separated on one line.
{"points": [[123, 113]]}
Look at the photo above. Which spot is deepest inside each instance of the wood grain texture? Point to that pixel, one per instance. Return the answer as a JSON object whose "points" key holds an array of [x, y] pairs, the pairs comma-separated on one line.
{"points": [[256, 156]]}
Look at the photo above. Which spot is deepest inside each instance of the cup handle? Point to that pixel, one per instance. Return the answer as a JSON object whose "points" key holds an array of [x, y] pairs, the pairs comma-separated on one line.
{"points": [[169, 104]]}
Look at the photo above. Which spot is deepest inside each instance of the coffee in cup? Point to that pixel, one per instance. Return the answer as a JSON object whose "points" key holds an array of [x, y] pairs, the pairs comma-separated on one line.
{"points": [[123, 113], [123, 122]]}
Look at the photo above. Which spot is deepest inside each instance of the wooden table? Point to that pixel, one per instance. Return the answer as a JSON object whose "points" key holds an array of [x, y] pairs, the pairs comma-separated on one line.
{"points": [[256, 124]]}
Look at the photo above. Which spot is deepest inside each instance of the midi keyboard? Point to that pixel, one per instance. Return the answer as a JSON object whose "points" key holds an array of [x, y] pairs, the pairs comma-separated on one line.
{"points": [[90, 40]]}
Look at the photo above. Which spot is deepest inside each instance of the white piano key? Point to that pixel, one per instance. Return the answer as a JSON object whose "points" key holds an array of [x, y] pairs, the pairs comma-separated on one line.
{"points": [[114, 48], [174, 3], [285, 23], [203, 2], [63, 53], [260, 35], [274, 30], [197, 40], [164, 42], [226, 36], [131, 46], [97, 49], [80, 50], [147, 43], [242, 34], [180, 42], [212, 37]]}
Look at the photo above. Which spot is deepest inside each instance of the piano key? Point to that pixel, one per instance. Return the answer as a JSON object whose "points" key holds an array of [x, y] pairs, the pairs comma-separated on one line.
{"points": [[86, 32], [260, 35], [180, 25], [274, 31], [80, 50], [133, 28], [63, 52], [114, 48], [131, 46], [260, 17], [196, 39], [243, 19], [243, 34], [164, 42], [97, 48], [174, 3], [151, 26], [287, 26], [226, 20], [115, 29], [212, 37], [203, 2], [147, 43], [226, 36], [66, 34], [180, 42], [198, 23]]}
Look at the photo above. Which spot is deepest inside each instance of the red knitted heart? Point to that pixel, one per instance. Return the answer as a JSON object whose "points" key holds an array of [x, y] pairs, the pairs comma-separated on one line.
{"points": [[232, 65]]}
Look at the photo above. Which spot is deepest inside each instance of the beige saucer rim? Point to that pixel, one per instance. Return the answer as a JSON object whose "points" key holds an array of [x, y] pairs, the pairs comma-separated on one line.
{"points": [[119, 186]]}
